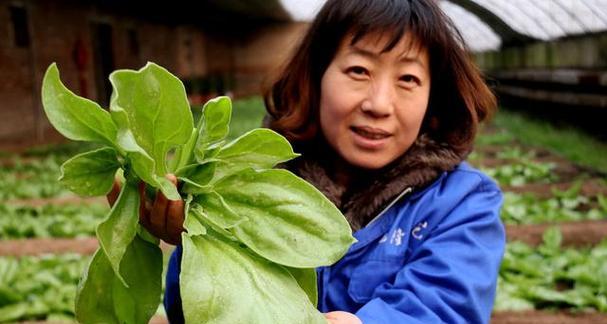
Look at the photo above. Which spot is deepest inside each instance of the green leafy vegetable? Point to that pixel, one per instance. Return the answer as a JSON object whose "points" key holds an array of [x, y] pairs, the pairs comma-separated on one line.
{"points": [[283, 228], [119, 229], [75, 117], [103, 297], [254, 234], [552, 277], [213, 126], [528, 209], [50, 220], [91, 173], [156, 109], [217, 272], [39, 288]]}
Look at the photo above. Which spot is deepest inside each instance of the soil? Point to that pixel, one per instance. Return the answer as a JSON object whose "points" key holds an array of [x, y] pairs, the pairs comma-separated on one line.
{"points": [[590, 188], [9, 162], [564, 171], [40, 246], [545, 317], [47, 245], [527, 317], [575, 234], [72, 200]]}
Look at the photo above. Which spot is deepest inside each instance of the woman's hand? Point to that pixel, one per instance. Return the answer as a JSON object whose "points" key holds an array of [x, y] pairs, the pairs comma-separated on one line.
{"points": [[162, 217], [342, 318]]}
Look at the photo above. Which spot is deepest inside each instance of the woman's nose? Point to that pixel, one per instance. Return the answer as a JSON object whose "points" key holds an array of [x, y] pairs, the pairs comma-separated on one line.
{"points": [[379, 101]]}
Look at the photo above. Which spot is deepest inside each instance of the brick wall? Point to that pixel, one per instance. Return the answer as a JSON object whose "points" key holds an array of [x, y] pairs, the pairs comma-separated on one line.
{"points": [[57, 30], [65, 32], [263, 54]]}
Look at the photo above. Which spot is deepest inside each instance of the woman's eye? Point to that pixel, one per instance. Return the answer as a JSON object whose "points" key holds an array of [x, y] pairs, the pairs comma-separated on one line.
{"points": [[410, 80], [357, 71]]}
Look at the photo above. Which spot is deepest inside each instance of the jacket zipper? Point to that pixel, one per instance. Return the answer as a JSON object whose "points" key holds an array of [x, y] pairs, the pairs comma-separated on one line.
{"points": [[394, 201]]}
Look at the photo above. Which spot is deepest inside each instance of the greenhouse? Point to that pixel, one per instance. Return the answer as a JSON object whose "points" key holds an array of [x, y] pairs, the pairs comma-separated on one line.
{"points": [[233, 161]]}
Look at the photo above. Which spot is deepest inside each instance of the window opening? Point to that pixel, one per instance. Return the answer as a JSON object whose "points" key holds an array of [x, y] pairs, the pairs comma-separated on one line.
{"points": [[20, 26]]}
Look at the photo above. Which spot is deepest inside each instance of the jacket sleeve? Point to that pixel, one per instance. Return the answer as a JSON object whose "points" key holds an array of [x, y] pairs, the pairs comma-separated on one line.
{"points": [[451, 276]]}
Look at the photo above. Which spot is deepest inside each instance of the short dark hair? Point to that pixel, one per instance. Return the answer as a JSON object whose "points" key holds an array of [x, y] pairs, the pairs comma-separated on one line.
{"points": [[459, 97]]}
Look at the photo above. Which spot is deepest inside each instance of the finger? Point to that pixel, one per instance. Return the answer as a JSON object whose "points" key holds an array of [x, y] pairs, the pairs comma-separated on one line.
{"points": [[171, 178], [174, 222], [112, 196], [342, 317], [330, 316], [175, 216], [158, 215]]}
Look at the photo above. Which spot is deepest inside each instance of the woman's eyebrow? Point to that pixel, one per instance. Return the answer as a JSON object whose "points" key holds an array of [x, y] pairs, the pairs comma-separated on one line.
{"points": [[412, 59], [374, 56], [363, 52]]}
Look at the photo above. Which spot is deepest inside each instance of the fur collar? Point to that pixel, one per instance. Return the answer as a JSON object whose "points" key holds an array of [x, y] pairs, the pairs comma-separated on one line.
{"points": [[372, 191]]}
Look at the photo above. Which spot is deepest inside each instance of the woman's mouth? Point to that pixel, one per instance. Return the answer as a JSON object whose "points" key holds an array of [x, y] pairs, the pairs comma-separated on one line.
{"points": [[369, 137], [370, 133]]}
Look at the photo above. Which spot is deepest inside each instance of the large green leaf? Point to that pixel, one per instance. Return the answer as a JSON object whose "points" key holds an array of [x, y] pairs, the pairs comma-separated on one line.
{"points": [[200, 174], [306, 278], [192, 223], [259, 148], [213, 126], [184, 153], [218, 211], [157, 110], [102, 298], [222, 282], [75, 117], [290, 221], [141, 162], [91, 173], [117, 231], [142, 270], [197, 218]]}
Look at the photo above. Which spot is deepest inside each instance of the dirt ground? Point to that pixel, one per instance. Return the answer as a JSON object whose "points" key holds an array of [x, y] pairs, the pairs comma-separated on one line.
{"points": [[575, 234], [593, 184], [84, 246], [544, 317]]}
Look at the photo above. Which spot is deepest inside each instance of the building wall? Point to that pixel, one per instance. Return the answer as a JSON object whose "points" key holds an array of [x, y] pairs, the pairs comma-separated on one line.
{"points": [[59, 32], [75, 36], [263, 54], [16, 73]]}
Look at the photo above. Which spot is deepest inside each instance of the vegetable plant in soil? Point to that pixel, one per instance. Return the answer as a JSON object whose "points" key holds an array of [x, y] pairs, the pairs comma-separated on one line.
{"points": [[253, 236]]}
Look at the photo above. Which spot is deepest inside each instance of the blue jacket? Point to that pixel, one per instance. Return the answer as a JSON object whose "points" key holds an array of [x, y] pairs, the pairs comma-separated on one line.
{"points": [[433, 256]]}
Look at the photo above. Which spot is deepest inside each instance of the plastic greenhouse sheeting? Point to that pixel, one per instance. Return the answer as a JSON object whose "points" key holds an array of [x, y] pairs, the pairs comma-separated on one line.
{"points": [[538, 19]]}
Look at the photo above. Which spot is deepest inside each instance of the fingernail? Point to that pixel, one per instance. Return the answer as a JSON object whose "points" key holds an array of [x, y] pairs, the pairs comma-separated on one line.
{"points": [[172, 178]]}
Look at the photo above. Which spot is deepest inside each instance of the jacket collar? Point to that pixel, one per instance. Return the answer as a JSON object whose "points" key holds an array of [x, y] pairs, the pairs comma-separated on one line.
{"points": [[373, 191]]}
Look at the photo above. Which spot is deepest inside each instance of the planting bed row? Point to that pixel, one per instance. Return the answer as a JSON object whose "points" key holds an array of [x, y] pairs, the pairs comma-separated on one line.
{"points": [[547, 277], [541, 280]]}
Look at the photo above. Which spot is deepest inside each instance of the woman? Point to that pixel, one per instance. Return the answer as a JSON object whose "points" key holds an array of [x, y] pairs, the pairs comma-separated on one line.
{"points": [[383, 102]]}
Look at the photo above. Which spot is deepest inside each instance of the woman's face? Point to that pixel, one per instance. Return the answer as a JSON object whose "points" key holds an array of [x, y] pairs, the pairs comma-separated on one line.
{"points": [[372, 104]]}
